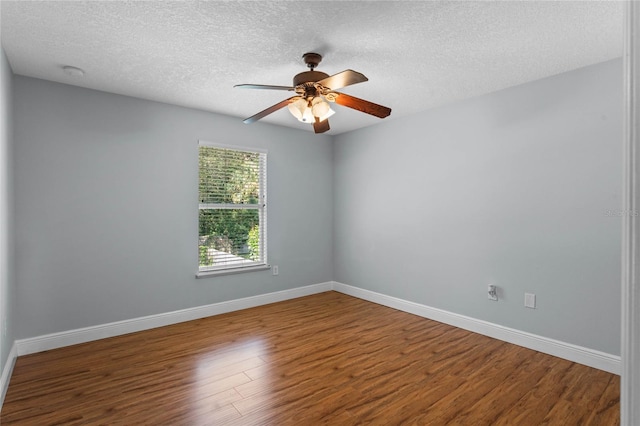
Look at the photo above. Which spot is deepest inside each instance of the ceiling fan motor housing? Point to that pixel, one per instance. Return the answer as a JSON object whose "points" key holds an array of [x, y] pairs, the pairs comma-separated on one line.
{"points": [[309, 77]]}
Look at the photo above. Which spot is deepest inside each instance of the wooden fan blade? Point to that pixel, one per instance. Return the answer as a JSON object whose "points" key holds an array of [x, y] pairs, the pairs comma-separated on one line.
{"points": [[362, 105], [269, 110], [321, 126], [263, 86], [343, 79]]}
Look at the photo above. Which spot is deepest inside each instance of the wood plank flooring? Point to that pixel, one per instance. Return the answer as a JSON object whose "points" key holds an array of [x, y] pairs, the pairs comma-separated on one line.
{"points": [[323, 359]]}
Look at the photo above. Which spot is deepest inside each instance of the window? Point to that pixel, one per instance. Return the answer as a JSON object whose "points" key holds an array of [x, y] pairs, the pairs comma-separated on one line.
{"points": [[232, 209]]}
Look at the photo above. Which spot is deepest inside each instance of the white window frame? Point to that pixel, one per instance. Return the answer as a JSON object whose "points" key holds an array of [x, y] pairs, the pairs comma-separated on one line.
{"points": [[249, 265]]}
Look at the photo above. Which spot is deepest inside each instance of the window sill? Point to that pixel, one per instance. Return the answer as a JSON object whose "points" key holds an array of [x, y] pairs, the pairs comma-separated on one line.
{"points": [[230, 271]]}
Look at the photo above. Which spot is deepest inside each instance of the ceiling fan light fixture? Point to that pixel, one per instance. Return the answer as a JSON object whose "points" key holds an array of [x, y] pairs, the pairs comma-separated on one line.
{"points": [[300, 109], [297, 108], [328, 114], [319, 107], [307, 117]]}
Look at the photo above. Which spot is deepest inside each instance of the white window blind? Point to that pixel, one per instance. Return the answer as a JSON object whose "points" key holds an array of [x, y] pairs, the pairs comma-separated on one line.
{"points": [[232, 208]]}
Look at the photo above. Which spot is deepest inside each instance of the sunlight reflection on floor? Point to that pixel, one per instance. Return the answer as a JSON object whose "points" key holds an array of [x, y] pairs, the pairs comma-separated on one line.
{"points": [[219, 372]]}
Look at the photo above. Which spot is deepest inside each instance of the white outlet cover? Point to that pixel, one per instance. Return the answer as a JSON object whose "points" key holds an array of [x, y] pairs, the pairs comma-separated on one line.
{"points": [[492, 292], [530, 300]]}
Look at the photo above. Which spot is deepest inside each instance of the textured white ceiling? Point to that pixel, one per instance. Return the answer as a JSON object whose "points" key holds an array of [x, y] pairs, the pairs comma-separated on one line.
{"points": [[417, 55]]}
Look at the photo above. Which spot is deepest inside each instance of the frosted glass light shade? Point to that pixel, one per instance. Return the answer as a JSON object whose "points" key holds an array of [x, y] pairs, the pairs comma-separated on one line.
{"points": [[319, 107], [301, 110], [307, 116], [327, 115], [297, 108]]}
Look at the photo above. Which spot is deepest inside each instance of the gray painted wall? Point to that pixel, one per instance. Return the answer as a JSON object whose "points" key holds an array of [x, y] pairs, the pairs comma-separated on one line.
{"points": [[7, 281], [511, 188], [106, 207]]}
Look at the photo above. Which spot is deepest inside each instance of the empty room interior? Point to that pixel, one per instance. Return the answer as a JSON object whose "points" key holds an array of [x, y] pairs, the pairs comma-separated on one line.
{"points": [[303, 213]]}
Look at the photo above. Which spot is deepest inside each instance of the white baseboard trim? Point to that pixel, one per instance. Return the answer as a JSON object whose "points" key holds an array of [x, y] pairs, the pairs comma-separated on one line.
{"points": [[88, 334], [568, 351], [6, 372]]}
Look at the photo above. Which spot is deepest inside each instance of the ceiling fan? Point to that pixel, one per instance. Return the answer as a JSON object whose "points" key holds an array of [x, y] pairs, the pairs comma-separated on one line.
{"points": [[313, 90]]}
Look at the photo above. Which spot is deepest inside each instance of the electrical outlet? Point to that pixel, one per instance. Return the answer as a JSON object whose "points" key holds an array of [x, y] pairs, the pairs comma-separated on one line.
{"points": [[492, 292], [530, 300], [274, 270]]}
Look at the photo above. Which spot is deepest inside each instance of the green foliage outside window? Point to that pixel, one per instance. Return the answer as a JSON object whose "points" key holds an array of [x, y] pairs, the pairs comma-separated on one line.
{"points": [[228, 177]]}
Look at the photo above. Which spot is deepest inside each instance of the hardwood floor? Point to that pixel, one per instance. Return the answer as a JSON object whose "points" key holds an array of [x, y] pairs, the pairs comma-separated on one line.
{"points": [[322, 359]]}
